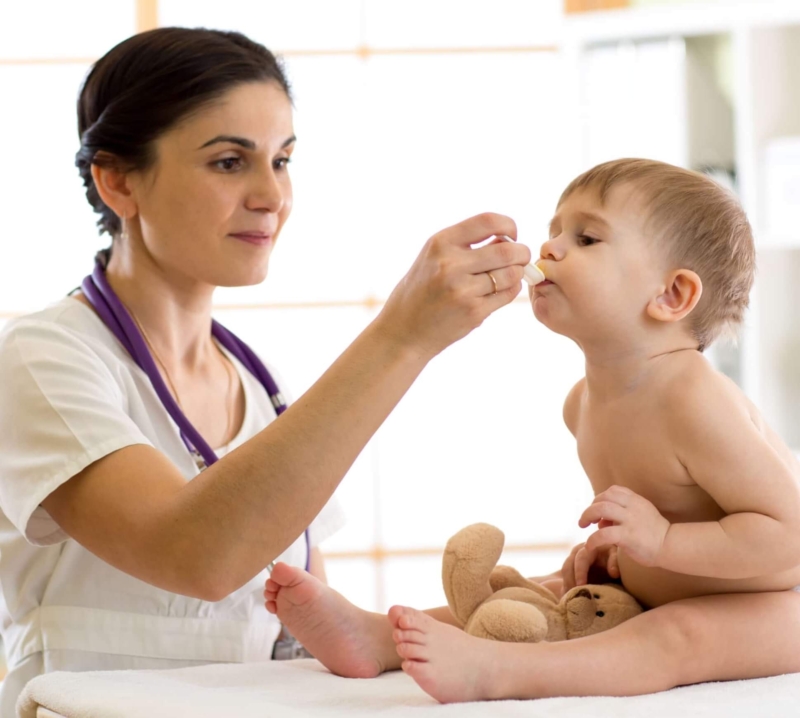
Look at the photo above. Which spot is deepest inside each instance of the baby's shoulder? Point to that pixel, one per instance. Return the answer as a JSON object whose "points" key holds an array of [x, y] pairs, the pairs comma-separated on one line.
{"points": [[693, 390], [572, 406]]}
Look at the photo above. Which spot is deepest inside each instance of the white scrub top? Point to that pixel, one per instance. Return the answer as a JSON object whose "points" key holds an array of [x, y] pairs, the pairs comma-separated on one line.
{"points": [[69, 395]]}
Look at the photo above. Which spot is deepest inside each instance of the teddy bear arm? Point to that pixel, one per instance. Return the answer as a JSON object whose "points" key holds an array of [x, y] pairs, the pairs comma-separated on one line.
{"points": [[508, 577]]}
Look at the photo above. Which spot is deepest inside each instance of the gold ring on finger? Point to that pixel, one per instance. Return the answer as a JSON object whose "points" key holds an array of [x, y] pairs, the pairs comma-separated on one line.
{"points": [[494, 282]]}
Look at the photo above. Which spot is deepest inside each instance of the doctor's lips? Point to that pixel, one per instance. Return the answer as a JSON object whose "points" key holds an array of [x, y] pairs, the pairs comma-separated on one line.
{"points": [[260, 238]]}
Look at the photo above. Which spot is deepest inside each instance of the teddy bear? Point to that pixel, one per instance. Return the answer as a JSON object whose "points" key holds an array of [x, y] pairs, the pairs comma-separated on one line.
{"points": [[498, 603]]}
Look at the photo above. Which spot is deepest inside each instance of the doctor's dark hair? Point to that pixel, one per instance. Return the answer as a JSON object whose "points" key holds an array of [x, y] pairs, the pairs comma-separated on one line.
{"points": [[148, 84]]}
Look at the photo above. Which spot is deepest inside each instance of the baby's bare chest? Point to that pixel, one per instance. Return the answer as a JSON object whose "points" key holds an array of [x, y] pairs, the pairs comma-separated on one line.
{"points": [[633, 448]]}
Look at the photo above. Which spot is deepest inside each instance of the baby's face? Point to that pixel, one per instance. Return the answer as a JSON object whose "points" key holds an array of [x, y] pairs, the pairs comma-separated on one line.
{"points": [[602, 267]]}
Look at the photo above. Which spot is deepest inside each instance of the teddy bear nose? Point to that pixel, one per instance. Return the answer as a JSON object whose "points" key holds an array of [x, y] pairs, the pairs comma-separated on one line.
{"points": [[583, 593]]}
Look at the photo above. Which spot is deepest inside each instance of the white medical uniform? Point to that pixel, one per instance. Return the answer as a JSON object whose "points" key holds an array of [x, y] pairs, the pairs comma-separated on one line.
{"points": [[69, 395]]}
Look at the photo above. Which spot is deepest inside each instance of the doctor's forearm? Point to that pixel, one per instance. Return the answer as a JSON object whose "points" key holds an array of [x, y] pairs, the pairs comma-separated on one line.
{"points": [[244, 511]]}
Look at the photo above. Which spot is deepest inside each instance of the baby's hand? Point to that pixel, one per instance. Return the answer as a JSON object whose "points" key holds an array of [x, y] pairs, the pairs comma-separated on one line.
{"points": [[575, 571], [628, 521]]}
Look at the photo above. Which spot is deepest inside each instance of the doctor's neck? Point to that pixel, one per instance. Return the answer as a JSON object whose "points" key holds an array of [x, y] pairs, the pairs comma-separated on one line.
{"points": [[173, 308]]}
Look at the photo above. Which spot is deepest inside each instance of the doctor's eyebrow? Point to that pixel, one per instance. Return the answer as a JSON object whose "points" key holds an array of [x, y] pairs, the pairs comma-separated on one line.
{"points": [[242, 141]]}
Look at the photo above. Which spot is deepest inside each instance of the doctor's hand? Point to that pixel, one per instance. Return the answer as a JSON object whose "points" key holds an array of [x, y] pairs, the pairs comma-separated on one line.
{"points": [[451, 287], [628, 521]]}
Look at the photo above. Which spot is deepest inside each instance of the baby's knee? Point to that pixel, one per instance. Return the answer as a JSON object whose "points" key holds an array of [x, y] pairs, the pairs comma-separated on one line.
{"points": [[683, 635]]}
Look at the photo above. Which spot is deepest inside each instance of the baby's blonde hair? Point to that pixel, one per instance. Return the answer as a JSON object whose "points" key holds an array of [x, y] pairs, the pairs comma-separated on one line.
{"points": [[702, 227]]}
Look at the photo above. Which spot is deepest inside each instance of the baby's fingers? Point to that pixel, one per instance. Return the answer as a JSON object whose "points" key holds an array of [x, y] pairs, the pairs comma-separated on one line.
{"points": [[568, 569], [612, 565], [584, 560], [601, 511], [604, 538]]}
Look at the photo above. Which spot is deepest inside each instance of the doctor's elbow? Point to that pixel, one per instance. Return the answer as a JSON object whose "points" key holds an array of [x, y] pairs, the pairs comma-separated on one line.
{"points": [[212, 594], [196, 579], [212, 584], [204, 588]]}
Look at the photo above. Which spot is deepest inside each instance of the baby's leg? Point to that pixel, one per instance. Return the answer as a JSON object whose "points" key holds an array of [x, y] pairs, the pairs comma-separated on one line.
{"points": [[723, 637], [346, 639]]}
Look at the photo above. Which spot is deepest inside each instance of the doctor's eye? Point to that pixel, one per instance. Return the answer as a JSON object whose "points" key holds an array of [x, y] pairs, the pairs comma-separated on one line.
{"points": [[585, 240], [281, 163], [228, 164]]}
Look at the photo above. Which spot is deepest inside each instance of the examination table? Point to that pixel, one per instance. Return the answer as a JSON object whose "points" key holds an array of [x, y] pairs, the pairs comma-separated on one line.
{"points": [[286, 689]]}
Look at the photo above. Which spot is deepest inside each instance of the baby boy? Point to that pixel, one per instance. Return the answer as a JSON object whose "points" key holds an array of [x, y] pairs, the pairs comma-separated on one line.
{"points": [[647, 264]]}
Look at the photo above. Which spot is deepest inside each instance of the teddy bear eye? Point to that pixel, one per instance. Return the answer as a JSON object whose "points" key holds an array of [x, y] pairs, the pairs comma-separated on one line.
{"points": [[600, 613], [596, 595]]}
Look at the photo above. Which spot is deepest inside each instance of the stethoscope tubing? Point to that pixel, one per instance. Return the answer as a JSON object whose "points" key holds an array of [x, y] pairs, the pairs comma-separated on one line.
{"points": [[116, 317]]}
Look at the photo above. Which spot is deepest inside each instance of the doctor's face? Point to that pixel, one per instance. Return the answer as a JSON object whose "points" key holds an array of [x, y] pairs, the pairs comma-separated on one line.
{"points": [[212, 205]]}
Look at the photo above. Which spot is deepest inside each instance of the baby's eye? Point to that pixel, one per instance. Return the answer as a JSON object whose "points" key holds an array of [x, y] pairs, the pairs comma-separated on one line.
{"points": [[584, 240], [228, 164]]}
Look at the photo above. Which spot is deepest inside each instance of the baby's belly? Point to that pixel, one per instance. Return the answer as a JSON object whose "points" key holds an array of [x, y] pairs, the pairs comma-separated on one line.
{"points": [[654, 586]]}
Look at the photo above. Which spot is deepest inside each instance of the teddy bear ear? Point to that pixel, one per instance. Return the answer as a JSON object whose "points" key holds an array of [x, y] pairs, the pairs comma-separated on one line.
{"points": [[467, 563]]}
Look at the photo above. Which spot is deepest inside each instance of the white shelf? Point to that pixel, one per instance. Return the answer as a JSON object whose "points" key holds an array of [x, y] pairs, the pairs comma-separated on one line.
{"points": [[688, 20]]}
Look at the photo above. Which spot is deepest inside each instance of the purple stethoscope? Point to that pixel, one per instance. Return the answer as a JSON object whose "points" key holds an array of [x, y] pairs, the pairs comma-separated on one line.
{"points": [[116, 317]]}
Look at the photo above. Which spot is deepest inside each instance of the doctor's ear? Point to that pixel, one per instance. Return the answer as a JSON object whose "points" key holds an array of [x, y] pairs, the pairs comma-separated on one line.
{"points": [[112, 182], [679, 296]]}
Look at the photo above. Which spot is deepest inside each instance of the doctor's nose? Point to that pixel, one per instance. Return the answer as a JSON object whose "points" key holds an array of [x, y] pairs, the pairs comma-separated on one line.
{"points": [[267, 193]]}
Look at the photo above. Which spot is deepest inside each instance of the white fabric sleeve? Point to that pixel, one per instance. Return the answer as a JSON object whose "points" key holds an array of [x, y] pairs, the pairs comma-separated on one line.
{"points": [[60, 411]]}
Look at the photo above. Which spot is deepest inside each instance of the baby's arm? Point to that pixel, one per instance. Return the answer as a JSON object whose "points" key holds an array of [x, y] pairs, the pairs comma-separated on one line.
{"points": [[582, 559], [726, 455], [733, 461]]}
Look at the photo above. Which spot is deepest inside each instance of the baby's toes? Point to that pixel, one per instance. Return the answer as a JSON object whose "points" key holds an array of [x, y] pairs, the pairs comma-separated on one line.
{"points": [[412, 651], [410, 619], [394, 614], [401, 636], [418, 670], [285, 575]]}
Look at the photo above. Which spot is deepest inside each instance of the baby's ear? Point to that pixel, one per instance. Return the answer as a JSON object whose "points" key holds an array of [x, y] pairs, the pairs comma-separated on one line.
{"points": [[679, 296]]}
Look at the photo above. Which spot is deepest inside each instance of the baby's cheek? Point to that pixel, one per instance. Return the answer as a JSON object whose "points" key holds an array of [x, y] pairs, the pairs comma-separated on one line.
{"points": [[539, 305]]}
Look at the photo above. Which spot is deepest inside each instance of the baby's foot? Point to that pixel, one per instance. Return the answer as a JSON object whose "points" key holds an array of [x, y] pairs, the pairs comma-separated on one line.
{"points": [[447, 663], [346, 639]]}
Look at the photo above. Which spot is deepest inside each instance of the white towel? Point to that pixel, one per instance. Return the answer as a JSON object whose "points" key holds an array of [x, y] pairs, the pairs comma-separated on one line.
{"points": [[285, 689]]}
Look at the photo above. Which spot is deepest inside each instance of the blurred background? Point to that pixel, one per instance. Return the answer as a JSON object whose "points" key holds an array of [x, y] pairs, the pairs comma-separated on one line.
{"points": [[412, 115]]}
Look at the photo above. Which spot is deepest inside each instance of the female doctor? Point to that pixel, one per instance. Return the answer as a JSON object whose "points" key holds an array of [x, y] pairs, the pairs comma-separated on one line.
{"points": [[145, 484]]}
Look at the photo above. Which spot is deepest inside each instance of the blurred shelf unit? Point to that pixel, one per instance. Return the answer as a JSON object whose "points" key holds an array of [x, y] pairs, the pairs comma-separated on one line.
{"points": [[714, 87], [590, 5], [681, 19]]}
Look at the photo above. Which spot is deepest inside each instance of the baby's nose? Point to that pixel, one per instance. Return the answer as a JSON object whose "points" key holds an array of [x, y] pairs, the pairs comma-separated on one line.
{"points": [[550, 250]]}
